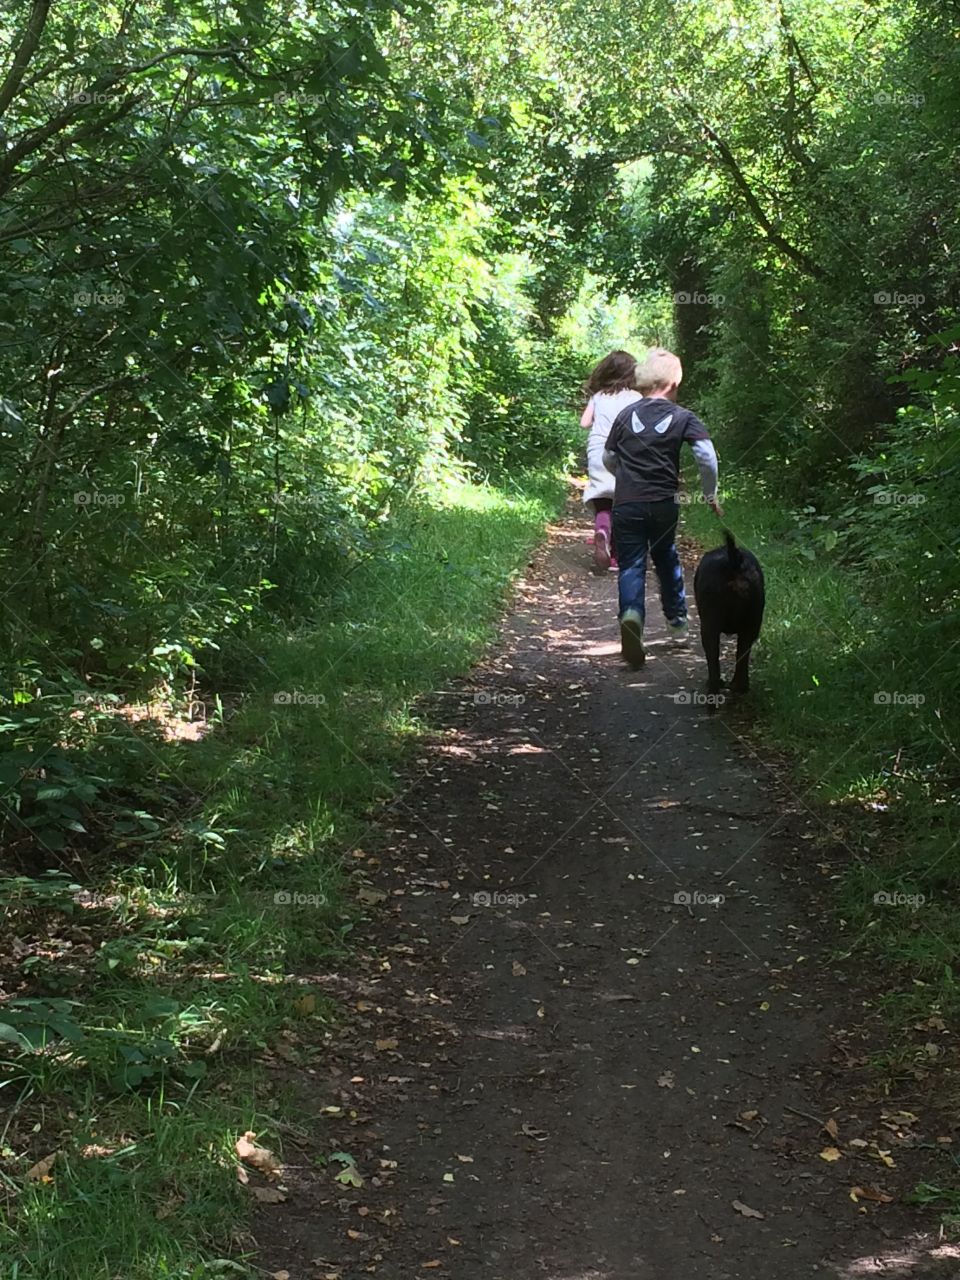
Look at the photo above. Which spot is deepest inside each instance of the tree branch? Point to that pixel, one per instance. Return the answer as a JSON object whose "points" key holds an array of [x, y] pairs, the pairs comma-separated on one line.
{"points": [[729, 161], [31, 142], [28, 47]]}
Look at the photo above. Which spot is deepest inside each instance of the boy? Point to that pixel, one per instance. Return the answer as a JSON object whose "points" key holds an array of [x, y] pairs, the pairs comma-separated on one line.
{"points": [[643, 451]]}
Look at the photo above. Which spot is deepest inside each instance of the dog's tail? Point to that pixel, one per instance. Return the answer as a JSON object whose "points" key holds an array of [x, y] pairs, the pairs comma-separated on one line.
{"points": [[734, 554]]}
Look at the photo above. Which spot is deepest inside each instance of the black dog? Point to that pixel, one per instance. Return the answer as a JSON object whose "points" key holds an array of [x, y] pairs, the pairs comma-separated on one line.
{"points": [[728, 587]]}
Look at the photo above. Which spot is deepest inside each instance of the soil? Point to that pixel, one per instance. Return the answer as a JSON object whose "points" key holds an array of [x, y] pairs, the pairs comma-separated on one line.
{"points": [[595, 1030]]}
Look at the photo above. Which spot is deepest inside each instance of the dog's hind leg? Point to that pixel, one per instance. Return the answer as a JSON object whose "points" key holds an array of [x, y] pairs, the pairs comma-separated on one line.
{"points": [[741, 673], [710, 639]]}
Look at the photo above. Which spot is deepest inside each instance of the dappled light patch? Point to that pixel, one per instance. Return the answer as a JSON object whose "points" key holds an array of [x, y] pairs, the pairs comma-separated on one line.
{"points": [[906, 1261]]}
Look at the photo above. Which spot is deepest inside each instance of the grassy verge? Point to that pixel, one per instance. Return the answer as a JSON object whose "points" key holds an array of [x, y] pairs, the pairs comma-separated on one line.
{"points": [[152, 979], [858, 690]]}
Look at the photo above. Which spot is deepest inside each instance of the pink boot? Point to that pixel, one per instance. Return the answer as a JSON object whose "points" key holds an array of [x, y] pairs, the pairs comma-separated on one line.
{"points": [[602, 540]]}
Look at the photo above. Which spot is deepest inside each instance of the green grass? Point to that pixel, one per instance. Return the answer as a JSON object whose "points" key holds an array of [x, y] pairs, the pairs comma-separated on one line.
{"points": [[143, 1207], [852, 685], [138, 1010]]}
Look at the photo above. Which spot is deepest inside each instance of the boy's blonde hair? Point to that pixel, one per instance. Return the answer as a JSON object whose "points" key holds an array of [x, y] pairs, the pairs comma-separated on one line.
{"points": [[661, 368]]}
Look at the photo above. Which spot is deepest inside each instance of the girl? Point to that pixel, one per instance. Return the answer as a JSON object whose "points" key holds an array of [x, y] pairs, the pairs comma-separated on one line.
{"points": [[610, 388]]}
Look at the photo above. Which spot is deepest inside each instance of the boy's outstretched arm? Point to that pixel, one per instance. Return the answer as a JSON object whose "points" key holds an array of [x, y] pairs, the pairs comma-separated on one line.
{"points": [[706, 456], [586, 419]]}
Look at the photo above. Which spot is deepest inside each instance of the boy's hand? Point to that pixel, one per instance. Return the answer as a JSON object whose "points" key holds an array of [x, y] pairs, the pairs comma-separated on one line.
{"points": [[715, 507]]}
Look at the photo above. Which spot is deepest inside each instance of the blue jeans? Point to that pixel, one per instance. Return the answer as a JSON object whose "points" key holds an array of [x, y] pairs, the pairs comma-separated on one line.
{"points": [[639, 527]]}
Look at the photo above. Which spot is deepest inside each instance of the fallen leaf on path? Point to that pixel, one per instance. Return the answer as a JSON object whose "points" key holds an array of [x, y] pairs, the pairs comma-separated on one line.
{"points": [[257, 1157], [428, 1266], [280, 1275], [518, 969], [830, 1153], [666, 1080], [465, 1159], [385, 1046], [41, 1170], [269, 1195], [746, 1210], [529, 1132], [870, 1193], [460, 919], [448, 1177], [830, 1127]]}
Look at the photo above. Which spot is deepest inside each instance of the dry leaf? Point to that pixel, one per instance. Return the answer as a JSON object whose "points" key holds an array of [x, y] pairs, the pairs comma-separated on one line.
{"points": [[371, 896], [305, 1004], [269, 1195], [749, 1115], [41, 1169], [666, 1080], [830, 1154], [830, 1128], [257, 1157], [280, 1275], [870, 1193], [385, 1046], [428, 1266], [460, 920], [465, 1159], [518, 969], [746, 1210]]}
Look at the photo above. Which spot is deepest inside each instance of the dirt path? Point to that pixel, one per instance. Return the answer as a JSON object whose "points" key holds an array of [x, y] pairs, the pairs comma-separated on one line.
{"points": [[584, 1079]]}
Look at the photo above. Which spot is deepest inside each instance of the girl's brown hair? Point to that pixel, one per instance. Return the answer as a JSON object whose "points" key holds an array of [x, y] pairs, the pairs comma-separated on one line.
{"points": [[615, 372]]}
